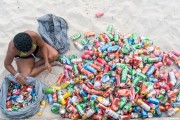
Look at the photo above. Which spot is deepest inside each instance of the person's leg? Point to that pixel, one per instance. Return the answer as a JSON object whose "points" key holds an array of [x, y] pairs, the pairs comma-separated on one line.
{"points": [[52, 56], [28, 68], [52, 53]]}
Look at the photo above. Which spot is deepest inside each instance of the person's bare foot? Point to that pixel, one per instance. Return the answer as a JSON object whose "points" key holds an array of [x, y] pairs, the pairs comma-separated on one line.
{"points": [[56, 63]]}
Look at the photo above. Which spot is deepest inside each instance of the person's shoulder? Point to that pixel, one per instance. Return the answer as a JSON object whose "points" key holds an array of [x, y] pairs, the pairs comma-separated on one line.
{"points": [[11, 47], [31, 33]]}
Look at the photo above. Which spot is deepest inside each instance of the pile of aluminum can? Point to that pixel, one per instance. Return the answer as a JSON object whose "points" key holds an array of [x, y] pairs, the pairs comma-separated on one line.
{"points": [[20, 96], [117, 77]]}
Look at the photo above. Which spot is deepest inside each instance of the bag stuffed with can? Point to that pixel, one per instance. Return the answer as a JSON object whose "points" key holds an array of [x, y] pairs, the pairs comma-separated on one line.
{"points": [[28, 111]]}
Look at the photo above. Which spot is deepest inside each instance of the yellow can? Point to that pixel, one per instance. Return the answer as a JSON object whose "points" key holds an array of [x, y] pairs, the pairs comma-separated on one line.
{"points": [[66, 95], [56, 87]]}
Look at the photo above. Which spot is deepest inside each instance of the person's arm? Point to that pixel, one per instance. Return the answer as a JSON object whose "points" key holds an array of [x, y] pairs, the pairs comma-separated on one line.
{"points": [[8, 65]]}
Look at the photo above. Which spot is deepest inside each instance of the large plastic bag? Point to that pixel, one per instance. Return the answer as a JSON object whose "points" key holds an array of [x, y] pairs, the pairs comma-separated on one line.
{"points": [[24, 112], [53, 30]]}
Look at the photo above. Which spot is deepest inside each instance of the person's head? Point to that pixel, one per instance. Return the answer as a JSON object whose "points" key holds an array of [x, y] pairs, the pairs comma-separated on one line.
{"points": [[23, 42]]}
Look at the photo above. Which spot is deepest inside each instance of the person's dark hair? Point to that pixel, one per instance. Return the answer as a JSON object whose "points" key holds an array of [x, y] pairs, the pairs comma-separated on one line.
{"points": [[23, 42]]}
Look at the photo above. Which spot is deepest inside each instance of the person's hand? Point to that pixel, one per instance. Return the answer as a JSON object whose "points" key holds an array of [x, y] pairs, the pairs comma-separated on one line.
{"points": [[48, 66], [21, 79]]}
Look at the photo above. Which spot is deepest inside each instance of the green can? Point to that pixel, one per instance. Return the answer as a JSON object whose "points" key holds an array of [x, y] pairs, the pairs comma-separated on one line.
{"points": [[126, 41], [79, 109], [121, 65], [127, 107], [75, 36], [145, 59], [83, 105], [110, 36], [110, 28], [125, 49], [135, 37], [178, 96], [92, 104], [116, 37], [75, 68], [85, 99], [142, 76], [49, 90], [135, 81], [84, 41], [152, 60], [72, 56], [123, 102], [15, 108], [124, 75], [137, 46], [137, 89], [55, 110]]}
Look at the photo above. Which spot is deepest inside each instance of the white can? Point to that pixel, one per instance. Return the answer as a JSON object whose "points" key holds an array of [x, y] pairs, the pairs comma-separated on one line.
{"points": [[76, 60], [112, 113]]}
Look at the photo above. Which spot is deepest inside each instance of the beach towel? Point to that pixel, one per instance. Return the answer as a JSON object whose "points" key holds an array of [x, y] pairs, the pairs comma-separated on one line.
{"points": [[53, 30], [24, 112]]}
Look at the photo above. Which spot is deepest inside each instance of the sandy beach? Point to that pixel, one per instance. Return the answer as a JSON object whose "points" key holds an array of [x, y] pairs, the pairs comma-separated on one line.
{"points": [[158, 19]]}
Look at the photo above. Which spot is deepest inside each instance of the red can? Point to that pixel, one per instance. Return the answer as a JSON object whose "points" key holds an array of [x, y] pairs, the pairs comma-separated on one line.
{"points": [[106, 68], [68, 67], [106, 38], [71, 108], [89, 34], [96, 42], [172, 56], [123, 92], [173, 93], [88, 52], [115, 104], [55, 97], [96, 92], [61, 78], [108, 92], [98, 68], [101, 61], [101, 106], [168, 62], [118, 83], [86, 88], [86, 56], [9, 104], [99, 14], [98, 63], [146, 68]]}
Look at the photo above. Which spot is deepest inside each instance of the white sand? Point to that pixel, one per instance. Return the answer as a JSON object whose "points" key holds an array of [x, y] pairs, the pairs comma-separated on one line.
{"points": [[159, 19]]}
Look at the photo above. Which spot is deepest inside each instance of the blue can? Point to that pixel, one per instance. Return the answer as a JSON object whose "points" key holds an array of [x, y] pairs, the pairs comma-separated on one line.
{"points": [[136, 109], [144, 113], [105, 47], [176, 104], [150, 71], [130, 40], [83, 93], [113, 79], [90, 69], [93, 97], [153, 101], [113, 67], [105, 78], [158, 112], [152, 79], [50, 99], [113, 48]]}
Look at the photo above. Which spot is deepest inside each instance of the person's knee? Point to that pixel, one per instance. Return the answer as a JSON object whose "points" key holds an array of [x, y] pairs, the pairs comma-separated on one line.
{"points": [[26, 73], [54, 56]]}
